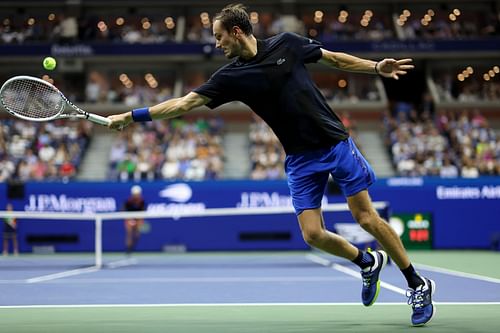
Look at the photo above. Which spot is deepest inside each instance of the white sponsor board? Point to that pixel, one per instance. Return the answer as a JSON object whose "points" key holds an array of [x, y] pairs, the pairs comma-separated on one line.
{"points": [[467, 192]]}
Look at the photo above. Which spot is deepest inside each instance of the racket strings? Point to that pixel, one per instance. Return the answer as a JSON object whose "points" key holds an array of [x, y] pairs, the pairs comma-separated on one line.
{"points": [[32, 99]]}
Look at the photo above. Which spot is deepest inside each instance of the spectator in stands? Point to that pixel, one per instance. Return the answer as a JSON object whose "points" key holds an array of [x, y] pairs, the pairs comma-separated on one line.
{"points": [[170, 169], [10, 233], [469, 170], [144, 169], [258, 172], [7, 168], [448, 170], [67, 170], [67, 30], [126, 168], [31, 149], [271, 77], [135, 203]]}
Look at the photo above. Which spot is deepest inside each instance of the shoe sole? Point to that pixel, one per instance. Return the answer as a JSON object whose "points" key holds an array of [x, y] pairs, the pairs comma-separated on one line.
{"points": [[384, 262], [433, 287]]}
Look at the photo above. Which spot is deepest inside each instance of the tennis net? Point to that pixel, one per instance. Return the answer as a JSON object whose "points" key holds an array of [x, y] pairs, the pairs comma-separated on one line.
{"points": [[269, 228]]}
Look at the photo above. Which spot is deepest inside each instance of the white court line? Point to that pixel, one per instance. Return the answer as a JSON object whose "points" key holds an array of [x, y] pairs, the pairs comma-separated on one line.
{"points": [[457, 273], [185, 280], [351, 272], [121, 263], [171, 305], [60, 275]]}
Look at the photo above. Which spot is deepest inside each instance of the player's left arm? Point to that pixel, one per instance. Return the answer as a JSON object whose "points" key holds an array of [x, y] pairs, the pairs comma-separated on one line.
{"points": [[387, 67]]}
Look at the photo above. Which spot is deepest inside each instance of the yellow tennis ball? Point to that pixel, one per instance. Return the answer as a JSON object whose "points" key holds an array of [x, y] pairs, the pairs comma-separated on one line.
{"points": [[49, 63]]}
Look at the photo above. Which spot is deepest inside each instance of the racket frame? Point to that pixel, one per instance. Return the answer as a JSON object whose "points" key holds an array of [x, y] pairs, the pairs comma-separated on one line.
{"points": [[81, 114]]}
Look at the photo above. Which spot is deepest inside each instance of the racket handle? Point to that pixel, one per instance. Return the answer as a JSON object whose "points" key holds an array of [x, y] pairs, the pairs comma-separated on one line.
{"points": [[98, 119]]}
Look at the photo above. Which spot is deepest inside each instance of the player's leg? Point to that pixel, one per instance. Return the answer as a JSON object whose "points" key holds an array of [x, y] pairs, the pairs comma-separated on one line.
{"points": [[354, 175], [420, 288], [15, 245], [128, 236], [135, 234], [5, 245], [368, 218], [307, 176], [315, 234]]}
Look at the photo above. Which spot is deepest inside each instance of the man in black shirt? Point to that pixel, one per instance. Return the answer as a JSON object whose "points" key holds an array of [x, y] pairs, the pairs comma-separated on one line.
{"points": [[270, 76]]}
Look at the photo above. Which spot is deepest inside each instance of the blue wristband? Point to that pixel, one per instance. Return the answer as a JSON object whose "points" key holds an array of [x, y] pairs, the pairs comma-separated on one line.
{"points": [[141, 114]]}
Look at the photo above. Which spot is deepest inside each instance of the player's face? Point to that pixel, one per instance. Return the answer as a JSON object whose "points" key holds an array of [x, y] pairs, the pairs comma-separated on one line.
{"points": [[225, 40]]}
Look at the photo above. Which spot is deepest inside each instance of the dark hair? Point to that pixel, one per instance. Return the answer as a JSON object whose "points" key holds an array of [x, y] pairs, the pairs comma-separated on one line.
{"points": [[235, 15]]}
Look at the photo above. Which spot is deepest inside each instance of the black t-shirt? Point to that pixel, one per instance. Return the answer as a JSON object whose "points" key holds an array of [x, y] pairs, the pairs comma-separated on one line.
{"points": [[135, 204], [277, 86]]}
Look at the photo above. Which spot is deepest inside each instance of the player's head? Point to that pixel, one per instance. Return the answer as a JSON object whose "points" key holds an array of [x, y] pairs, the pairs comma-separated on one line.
{"points": [[136, 190], [230, 26]]}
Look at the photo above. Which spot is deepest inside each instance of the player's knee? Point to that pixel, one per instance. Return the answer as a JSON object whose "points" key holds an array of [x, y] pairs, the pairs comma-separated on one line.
{"points": [[367, 220], [313, 237]]}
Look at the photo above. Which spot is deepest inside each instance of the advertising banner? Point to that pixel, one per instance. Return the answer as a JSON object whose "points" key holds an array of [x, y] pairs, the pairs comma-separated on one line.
{"points": [[436, 213]]}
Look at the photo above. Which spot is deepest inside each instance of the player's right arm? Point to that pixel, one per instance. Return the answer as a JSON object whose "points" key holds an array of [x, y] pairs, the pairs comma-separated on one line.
{"points": [[169, 109]]}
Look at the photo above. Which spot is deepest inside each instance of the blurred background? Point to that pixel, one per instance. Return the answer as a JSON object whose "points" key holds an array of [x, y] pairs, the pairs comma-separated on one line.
{"points": [[432, 137]]}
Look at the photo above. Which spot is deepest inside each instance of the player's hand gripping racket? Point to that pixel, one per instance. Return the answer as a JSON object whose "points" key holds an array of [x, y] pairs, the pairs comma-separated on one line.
{"points": [[31, 98]]}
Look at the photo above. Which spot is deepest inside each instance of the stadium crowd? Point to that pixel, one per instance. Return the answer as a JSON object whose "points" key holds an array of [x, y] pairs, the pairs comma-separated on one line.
{"points": [[177, 149], [42, 151], [446, 144], [451, 144], [326, 24]]}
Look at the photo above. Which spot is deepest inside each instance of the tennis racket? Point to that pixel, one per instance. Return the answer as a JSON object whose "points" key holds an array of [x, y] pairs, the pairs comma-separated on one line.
{"points": [[34, 99]]}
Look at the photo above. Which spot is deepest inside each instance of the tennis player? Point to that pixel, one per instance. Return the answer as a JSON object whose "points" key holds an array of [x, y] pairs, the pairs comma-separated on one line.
{"points": [[134, 203], [10, 232], [270, 76]]}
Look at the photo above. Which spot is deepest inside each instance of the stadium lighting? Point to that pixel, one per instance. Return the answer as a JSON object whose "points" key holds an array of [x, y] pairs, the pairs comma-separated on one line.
{"points": [[318, 16], [169, 22], [102, 26]]}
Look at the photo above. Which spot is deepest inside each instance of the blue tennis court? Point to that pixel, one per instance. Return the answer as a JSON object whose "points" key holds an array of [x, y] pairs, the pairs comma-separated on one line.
{"points": [[161, 285]]}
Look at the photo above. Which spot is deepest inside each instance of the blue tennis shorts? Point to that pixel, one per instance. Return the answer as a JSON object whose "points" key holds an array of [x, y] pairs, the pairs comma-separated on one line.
{"points": [[308, 173]]}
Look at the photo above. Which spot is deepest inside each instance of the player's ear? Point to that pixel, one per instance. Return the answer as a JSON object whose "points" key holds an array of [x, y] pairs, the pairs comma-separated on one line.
{"points": [[236, 30]]}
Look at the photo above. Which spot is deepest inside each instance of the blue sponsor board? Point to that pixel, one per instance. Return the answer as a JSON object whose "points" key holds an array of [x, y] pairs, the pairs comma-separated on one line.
{"points": [[466, 213]]}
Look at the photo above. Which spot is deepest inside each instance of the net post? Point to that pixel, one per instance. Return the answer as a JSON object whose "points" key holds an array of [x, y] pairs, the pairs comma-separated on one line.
{"points": [[98, 241]]}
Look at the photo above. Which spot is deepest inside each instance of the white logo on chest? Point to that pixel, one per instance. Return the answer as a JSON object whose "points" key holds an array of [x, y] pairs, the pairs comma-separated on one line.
{"points": [[280, 61]]}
